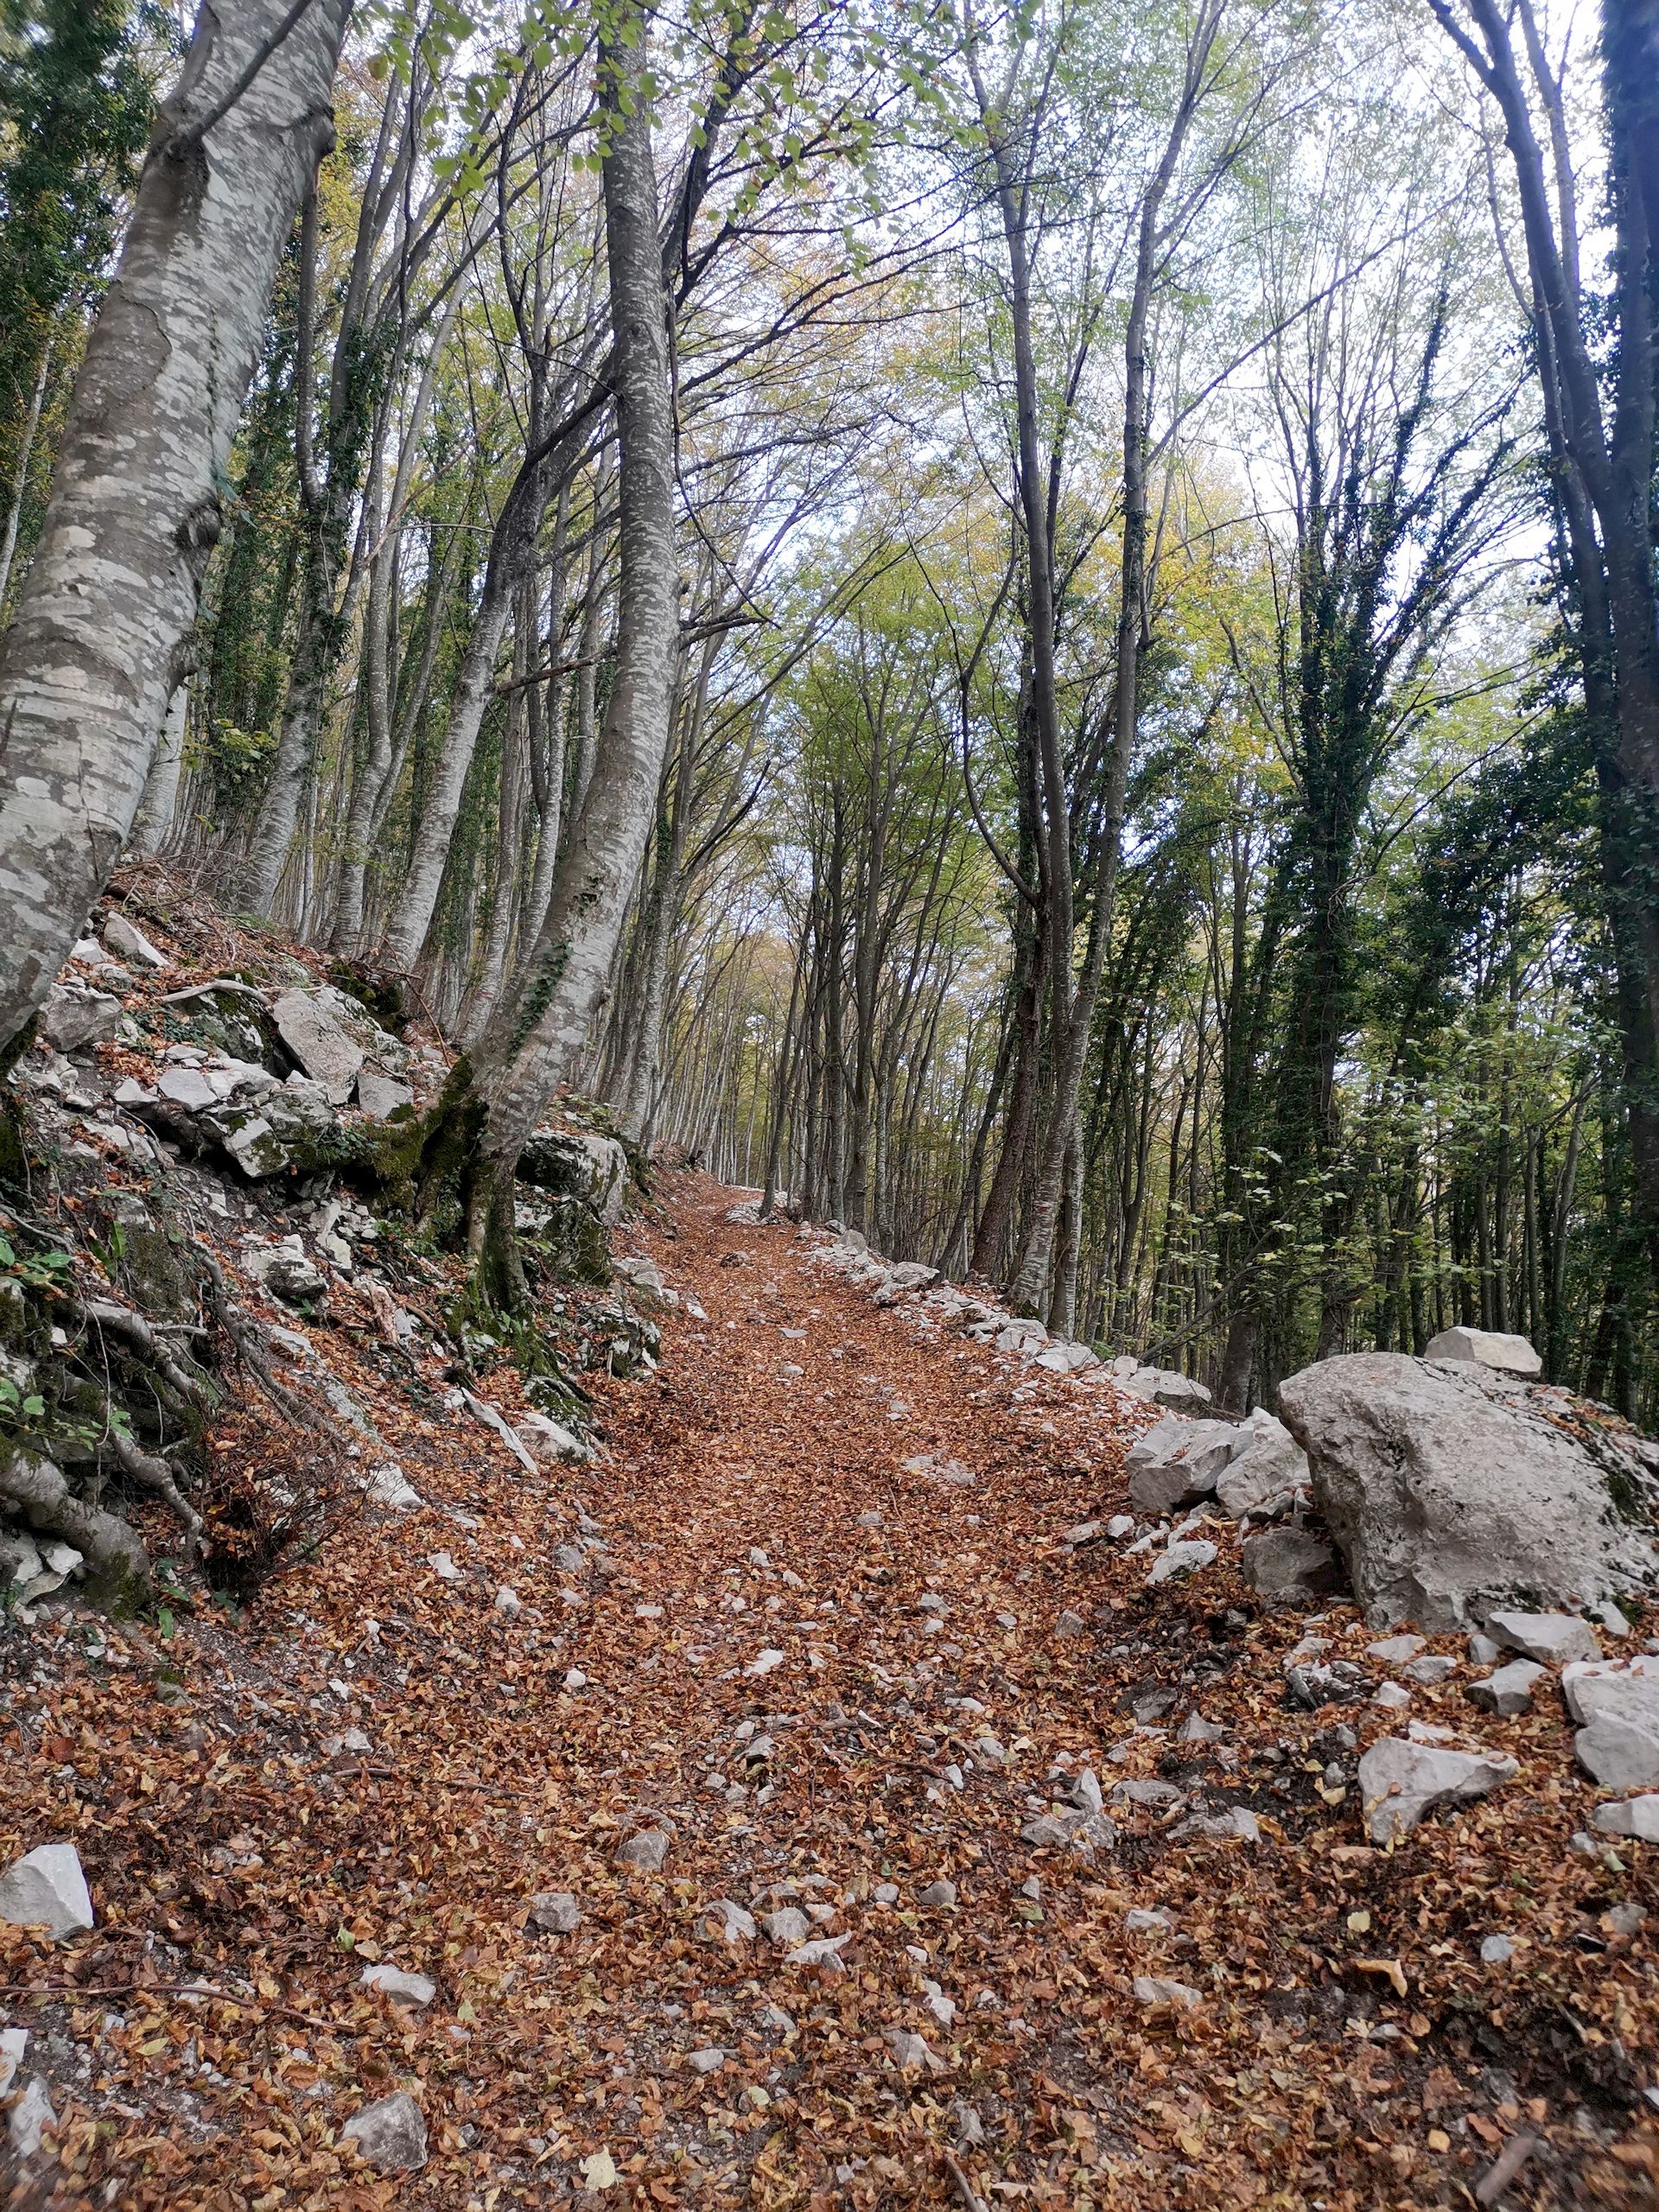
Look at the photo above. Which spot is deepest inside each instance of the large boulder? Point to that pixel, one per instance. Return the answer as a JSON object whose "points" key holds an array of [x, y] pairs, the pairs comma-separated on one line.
{"points": [[1453, 1492], [1179, 1462], [322, 1043], [1617, 1701], [581, 1164], [1504, 1355], [1267, 1468]]}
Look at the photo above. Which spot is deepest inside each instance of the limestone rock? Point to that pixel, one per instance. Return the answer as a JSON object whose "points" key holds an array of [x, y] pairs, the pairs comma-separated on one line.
{"points": [[548, 1441], [1395, 1650], [1165, 1387], [1510, 1690], [1268, 1466], [380, 1096], [1156, 1989], [1399, 1781], [47, 1889], [1486, 1348], [390, 2133], [1618, 1701], [1179, 1462], [30, 2117], [1448, 1495], [1619, 1755], [1552, 1639], [579, 1164], [320, 1042], [124, 937], [1176, 1561], [74, 1020], [647, 1851], [555, 1912], [786, 1927], [940, 1893], [415, 1989], [1637, 1817], [1288, 1566]]}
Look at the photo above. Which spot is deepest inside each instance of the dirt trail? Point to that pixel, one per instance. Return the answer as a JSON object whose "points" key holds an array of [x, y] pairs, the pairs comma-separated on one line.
{"points": [[838, 1686]]}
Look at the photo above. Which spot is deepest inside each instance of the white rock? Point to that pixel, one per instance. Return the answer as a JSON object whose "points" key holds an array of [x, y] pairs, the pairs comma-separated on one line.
{"points": [[1149, 1920], [1486, 1348], [508, 1603], [13, 2041], [647, 1850], [1179, 1462], [390, 2133], [786, 1927], [382, 1096], [402, 1988], [1510, 1690], [736, 1926], [555, 1912], [1155, 1989], [1392, 1697], [1618, 1703], [1554, 1639], [1395, 1650], [124, 937], [1637, 1817], [1496, 1950], [707, 2061], [1401, 1780], [910, 2052], [1484, 1652], [548, 1441], [317, 1040], [575, 1679], [390, 1487], [822, 1951], [1070, 1623], [443, 1566], [1178, 1560], [188, 1087], [1433, 1668], [764, 1663], [47, 1889], [30, 2117], [942, 1891], [1447, 1493], [1120, 1525]]}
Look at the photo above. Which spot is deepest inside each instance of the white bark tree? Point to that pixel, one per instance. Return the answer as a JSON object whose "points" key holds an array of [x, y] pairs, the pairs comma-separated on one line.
{"points": [[96, 650]]}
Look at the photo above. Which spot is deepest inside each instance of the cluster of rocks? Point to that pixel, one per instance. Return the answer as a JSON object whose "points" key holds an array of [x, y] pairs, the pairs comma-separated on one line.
{"points": [[847, 1251], [258, 1078]]}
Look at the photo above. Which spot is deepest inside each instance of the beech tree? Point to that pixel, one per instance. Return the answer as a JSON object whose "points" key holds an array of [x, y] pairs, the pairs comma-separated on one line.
{"points": [[91, 657]]}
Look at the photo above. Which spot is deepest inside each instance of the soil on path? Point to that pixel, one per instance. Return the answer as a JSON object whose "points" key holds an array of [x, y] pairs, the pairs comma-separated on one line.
{"points": [[805, 1623]]}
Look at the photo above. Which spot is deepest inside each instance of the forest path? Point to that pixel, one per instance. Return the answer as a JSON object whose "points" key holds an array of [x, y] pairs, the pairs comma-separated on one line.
{"points": [[803, 1622]]}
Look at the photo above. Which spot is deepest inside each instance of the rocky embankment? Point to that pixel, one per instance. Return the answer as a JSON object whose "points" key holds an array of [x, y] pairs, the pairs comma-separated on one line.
{"points": [[212, 1142]]}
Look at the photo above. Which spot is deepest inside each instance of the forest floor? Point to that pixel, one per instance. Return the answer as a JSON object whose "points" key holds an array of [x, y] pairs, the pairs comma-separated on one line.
{"points": [[792, 1653]]}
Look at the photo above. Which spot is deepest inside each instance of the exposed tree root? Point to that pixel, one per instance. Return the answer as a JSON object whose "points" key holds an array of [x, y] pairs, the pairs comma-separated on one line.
{"points": [[35, 1489]]}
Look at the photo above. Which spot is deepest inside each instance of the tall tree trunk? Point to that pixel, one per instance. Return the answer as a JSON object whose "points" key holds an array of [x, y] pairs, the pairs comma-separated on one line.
{"points": [[154, 820], [522, 1057], [92, 656], [20, 474]]}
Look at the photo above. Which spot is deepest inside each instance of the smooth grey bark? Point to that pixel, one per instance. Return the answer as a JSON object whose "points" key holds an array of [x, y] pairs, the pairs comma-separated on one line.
{"points": [[520, 1062], [20, 474], [94, 653], [154, 821], [373, 310]]}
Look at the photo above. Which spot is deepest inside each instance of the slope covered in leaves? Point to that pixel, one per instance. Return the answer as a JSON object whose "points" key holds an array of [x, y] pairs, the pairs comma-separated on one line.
{"points": [[803, 1622]]}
